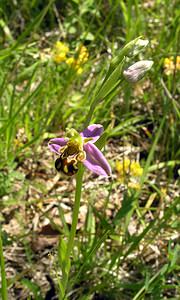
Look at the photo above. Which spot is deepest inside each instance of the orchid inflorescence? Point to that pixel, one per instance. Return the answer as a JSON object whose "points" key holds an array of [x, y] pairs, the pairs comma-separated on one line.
{"points": [[80, 148]]}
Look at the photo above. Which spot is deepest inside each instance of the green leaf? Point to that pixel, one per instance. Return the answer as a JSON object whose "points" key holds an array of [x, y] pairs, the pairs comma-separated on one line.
{"points": [[111, 82]]}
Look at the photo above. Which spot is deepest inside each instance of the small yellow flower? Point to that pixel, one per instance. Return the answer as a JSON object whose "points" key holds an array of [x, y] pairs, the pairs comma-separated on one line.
{"points": [[58, 58], [70, 61], [59, 52], [135, 169], [76, 62], [170, 66], [61, 47], [123, 167], [82, 55], [129, 173], [79, 70]]}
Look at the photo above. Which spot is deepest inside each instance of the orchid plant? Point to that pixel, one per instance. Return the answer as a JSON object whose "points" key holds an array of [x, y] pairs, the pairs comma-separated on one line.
{"points": [[78, 149]]}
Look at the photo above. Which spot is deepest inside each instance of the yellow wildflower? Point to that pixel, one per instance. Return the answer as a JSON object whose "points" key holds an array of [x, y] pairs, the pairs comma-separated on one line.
{"points": [[60, 46], [135, 169], [123, 167], [79, 70], [170, 66], [82, 55], [129, 173], [70, 61], [77, 62], [60, 51]]}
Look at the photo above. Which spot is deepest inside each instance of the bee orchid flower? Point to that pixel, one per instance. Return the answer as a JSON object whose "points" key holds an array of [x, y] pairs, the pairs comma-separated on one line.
{"points": [[78, 148]]}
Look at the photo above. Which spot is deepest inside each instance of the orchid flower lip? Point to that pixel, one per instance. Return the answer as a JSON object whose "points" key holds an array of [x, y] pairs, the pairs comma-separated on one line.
{"points": [[75, 149]]}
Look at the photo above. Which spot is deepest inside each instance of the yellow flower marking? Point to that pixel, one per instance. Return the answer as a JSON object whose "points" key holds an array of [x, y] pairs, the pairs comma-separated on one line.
{"points": [[74, 146]]}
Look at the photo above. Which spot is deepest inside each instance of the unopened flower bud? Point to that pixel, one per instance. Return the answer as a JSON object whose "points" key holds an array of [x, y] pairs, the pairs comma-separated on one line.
{"points": [[139, 46], [137, 70]]}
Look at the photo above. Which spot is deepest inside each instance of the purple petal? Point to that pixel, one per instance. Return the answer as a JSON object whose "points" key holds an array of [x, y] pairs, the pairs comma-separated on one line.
{"points": [[95, 160], [59, 141], [56, 144], [93, 131]]}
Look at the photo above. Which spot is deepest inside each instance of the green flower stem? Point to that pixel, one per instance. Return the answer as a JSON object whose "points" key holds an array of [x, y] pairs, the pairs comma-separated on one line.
{"points": [[90, 113], [3, 273], [70, 244], [75, 211]]}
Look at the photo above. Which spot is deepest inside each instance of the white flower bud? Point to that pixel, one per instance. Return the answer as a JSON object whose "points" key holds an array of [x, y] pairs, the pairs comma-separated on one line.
{"points": [[139, 46], [137, 70]]}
